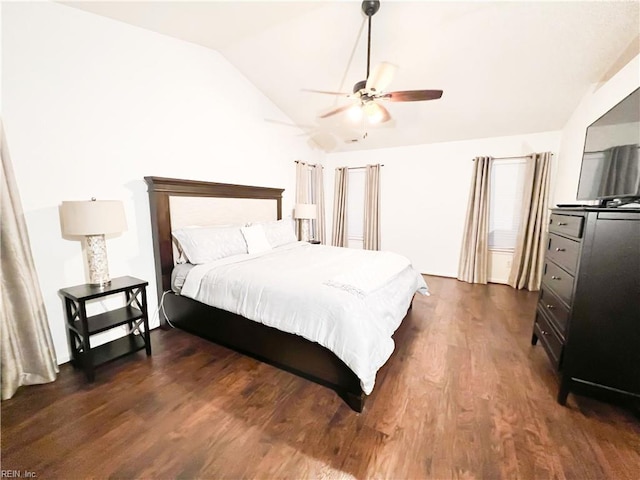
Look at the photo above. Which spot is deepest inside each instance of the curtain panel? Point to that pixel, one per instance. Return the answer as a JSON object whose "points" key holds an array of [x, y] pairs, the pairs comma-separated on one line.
{"points": [[528, 258], [302, 190], [474, 254], [319, 224], [28, 355], [339, 236], [621, 171], [372, 208], [310, 189]]}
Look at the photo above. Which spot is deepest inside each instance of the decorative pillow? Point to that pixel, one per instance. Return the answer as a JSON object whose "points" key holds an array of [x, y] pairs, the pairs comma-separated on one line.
{"points": [[280, 232], [256, 239], [207, 244]]}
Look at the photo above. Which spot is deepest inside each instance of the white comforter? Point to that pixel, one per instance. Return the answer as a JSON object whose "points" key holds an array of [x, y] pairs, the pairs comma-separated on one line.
{"points": [[349, 301]]}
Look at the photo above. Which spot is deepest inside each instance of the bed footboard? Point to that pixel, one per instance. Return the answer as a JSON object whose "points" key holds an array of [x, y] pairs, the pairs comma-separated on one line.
{"points": [[284, 350]]}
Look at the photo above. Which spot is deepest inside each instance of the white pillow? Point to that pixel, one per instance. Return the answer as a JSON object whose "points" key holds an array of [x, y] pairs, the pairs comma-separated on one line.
{"points": [[178, 255], [207, 244], [280, 232], [256, 239]]}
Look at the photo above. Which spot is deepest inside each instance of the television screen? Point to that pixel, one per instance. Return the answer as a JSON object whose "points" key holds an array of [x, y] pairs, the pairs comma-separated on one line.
{"points": [[610, 162]]}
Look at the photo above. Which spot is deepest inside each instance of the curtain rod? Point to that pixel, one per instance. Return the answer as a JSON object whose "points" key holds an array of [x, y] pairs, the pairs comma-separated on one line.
{"points": [[309, 164], [603, 151], [509, 158], [319, 165], [361, 168]]}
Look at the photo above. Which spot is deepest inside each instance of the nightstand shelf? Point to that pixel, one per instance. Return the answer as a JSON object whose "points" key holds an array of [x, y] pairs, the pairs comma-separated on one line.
{"points": [[81, 327], [107, 320], [117, 348]]}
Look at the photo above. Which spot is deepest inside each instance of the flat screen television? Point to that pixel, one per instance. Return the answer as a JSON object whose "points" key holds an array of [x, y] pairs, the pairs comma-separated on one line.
{"points": [[610, 162]]}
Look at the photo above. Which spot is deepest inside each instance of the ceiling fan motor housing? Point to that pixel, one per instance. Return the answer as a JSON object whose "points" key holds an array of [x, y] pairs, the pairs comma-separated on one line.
{"points": [[370, 7], [359, 86]]}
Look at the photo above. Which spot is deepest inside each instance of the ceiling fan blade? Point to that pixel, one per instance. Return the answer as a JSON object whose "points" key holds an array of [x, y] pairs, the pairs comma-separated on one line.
{"points": [[413, 95], [325, 92], [336, 111], [381, 77]]}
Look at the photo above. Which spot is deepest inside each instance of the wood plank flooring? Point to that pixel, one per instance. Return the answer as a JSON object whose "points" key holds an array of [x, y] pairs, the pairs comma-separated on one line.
{"points": [[464, 396]]}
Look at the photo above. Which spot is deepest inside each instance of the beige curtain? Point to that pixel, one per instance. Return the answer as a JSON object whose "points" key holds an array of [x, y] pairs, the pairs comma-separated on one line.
{"points": [[475, 241], [319, 225], [28, 356], [372, 208], [302, 189], [310, 189], [339, 237], [528, 259], [621, 173]]}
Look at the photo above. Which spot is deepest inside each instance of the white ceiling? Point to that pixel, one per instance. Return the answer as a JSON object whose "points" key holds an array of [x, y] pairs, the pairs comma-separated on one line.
{"points": [[506, 68]]}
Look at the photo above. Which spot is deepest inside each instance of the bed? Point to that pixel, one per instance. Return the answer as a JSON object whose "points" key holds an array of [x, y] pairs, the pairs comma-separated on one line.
{"points": [[176, 204]]}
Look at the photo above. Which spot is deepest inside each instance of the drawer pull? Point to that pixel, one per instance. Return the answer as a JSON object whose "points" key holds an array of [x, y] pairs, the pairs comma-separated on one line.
{"points": [[560, 249], [562, 224], [551, 307], [544, 332], [553, 277]]}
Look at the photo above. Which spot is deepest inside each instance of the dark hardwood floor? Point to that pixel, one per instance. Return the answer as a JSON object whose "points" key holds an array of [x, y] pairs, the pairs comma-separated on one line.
{"points": [[464, 396]]}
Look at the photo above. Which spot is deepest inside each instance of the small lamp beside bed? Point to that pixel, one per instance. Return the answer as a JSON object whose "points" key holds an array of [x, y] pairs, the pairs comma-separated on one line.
{"points": [[93, 219], [305, 212]]}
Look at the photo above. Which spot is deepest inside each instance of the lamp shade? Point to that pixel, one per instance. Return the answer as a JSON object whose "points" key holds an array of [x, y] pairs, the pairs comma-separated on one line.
{"points": [[93, 217], [305, 210]]}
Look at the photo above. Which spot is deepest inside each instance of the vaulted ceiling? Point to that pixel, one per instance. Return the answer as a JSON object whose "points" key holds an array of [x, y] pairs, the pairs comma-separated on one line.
{"points": [[506, 68]]}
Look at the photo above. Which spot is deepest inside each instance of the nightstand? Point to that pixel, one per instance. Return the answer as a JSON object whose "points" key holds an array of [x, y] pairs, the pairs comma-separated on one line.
{"points": [[80, 327]]}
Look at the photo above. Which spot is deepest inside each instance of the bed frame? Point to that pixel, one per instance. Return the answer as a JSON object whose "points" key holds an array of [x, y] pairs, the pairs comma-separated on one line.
{"points": [[283, 350]]}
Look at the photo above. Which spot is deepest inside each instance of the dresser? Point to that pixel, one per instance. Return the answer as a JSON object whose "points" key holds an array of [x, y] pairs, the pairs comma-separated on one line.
{"points": [[588, 312]]}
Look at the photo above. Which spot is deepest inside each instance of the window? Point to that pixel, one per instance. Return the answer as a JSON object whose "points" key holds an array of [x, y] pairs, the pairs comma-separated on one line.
{"points": [[355, 207], [505, 202], [312, 198]]}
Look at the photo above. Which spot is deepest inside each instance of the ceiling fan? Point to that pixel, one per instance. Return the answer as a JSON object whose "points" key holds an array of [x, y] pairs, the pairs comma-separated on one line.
{"points": [[371, 91]]}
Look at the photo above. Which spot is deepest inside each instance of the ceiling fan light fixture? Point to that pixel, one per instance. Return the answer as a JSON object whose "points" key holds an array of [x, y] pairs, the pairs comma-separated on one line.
{"points": [[355, 113], [374, 112]]}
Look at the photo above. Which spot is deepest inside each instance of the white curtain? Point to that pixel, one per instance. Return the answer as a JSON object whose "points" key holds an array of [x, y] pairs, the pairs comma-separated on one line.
{"points": [[372, 208], [28, 355], [528, 259], [474, 255], [339, 237]]}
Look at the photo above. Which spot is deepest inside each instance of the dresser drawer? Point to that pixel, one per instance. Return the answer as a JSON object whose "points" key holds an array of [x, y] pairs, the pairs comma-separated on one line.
{"points": [[564, 252], [559, 281], [556, 311], [549, 338], [566, 225]]}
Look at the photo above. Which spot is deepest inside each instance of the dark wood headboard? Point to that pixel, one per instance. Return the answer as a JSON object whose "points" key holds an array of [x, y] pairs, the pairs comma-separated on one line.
{"points": [[160, 189]]}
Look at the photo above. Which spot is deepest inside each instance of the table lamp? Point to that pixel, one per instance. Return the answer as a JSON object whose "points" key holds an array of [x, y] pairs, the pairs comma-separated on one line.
{"points": [[305, 212], [93, 219]]}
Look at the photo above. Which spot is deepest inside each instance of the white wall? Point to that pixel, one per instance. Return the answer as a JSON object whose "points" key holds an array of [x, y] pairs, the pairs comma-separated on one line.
{"points": [[594, 104], [91, 106], [424, 192]]}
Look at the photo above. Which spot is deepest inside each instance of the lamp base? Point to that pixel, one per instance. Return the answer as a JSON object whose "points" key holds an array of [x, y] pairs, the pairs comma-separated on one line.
{"points": [[97, 261], [304, 230]]}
